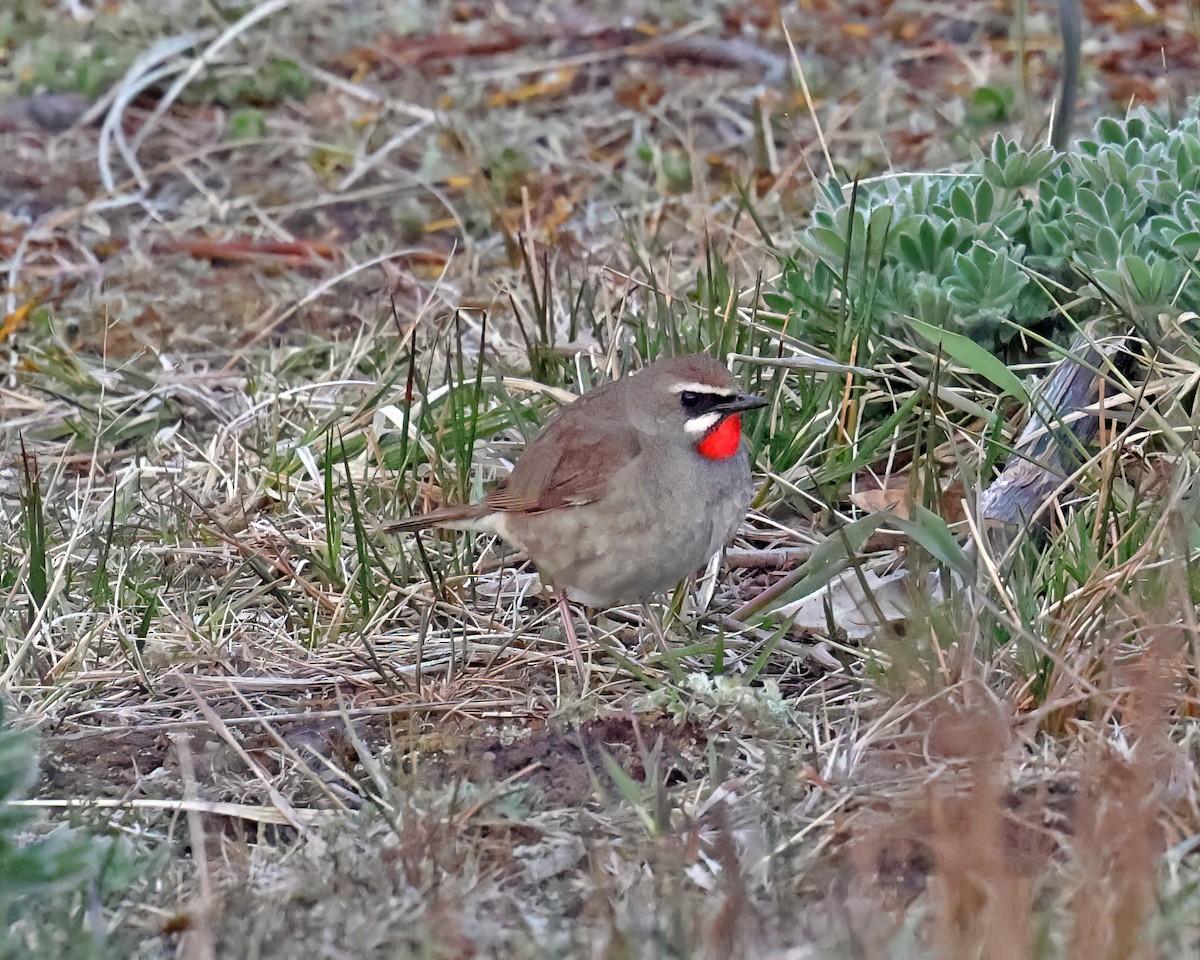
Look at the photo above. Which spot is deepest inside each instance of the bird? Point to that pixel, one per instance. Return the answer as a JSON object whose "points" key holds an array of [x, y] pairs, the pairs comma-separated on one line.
{"points": [[625, 491]]}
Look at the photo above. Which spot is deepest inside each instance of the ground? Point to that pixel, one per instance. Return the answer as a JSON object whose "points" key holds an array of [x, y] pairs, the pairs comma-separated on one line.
{"points": [[278, 273]]}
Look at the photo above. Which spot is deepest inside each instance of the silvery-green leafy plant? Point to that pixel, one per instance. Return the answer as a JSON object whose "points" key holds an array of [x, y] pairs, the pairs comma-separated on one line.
{"points": [[53, 884], [999, 245]]}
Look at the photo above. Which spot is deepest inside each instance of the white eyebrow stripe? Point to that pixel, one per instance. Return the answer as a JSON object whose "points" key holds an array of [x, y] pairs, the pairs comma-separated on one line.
{"points": [[698, 426], [707, 388]]}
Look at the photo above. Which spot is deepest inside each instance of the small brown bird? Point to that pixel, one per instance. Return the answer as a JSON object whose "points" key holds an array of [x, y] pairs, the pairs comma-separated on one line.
{"points": [[627, 490]]}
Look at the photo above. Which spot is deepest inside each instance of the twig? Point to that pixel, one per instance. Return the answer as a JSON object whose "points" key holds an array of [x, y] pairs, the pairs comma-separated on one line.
{"points": [[140, 75], [257, 12], [198, 940]]}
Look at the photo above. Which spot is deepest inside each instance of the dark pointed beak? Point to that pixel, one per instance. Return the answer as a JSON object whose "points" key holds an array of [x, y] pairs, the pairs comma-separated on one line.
{"points": [[743, 401]]}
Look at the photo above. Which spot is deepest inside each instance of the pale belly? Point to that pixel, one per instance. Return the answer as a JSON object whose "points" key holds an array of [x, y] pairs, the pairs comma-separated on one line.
{"points": [[622, 550]]}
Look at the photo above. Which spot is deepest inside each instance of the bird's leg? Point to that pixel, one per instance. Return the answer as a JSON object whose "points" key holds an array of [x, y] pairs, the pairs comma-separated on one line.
{"points": [[670, 658], [564, 608], [649, 616]]}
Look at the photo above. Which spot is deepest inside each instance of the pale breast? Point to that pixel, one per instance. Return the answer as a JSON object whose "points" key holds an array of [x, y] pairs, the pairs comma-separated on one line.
{"points": [[643, 537]]}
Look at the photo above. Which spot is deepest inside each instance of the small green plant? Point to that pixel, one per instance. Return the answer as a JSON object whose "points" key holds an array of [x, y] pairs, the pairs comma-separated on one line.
{"points": [[990, 105], [27, 869], [34, 517], [50, 886], [248, 123], [55, 63], [272, 83], [1003, 244]]}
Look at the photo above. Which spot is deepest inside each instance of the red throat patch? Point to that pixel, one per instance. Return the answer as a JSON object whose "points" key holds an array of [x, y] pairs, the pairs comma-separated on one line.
{"points": [[723, 440]]}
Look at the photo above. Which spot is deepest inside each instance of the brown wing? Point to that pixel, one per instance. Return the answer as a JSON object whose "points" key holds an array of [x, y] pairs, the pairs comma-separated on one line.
{"points": [[569, 464]]}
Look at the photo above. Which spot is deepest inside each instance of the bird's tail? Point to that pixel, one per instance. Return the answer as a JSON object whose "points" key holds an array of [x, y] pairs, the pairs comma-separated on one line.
{"points": [[465, 516]]}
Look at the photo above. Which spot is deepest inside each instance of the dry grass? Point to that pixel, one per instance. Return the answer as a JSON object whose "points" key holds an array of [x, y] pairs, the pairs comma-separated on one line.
{"points": [[323, 742]]}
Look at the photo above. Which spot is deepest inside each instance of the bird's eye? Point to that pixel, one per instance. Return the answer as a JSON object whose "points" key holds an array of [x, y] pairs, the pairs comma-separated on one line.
{"points": [[696, 404]]}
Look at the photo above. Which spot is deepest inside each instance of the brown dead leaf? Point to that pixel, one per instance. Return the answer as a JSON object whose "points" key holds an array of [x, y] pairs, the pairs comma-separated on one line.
{"points": [[756, 15], [431, 48], [436, 226], [892, 494], [13, 321], [898, 493], [293, 253], [556, 83], [1122, 16], [639, 94], [1133, 90]]}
